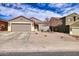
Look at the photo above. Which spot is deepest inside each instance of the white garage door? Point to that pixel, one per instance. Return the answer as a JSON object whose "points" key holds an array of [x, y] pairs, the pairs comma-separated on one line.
{"points": [[75, 31], [21, 27]]}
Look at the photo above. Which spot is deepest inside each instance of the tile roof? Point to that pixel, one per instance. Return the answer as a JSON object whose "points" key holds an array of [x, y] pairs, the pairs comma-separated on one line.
{"points": [[35, 20], [3, 20], [19, 17], [71, 14]]}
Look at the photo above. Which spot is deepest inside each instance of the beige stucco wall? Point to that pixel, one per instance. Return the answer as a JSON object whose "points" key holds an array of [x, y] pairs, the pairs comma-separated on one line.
{"points": [[9, 26], [32, 27], [70, 19]]}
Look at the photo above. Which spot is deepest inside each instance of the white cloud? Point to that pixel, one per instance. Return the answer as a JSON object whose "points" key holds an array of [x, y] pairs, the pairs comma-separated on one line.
{"points": [[70, 10], [41, 14], [59, 4], [29, 11], [10, 11]]}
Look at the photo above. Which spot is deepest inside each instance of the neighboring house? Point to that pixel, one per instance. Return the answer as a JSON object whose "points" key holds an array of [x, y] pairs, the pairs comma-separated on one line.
{"points": [[68, 20], [3, 25], [39, 25], [56, 24], [43, 26], [74, 28], [20, 23]]}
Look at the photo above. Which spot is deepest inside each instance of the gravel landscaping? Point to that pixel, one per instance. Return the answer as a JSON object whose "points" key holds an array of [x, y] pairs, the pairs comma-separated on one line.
{"points": [[37, 42]]}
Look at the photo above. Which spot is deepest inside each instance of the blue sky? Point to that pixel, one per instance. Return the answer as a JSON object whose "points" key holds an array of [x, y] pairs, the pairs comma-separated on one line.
{"points": [[38, 10]]}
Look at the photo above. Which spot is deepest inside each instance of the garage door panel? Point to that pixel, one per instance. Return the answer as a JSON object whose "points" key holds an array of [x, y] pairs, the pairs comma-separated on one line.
{"points": [[21, 27], [75, 31]]}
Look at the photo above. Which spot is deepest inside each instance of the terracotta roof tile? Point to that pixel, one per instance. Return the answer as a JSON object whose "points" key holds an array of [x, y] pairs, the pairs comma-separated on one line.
{"points": [[35, 20], [18, 17], [3, 20]]}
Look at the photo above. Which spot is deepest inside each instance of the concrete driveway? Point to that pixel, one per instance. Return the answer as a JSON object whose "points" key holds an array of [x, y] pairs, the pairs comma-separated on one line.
{"points": [[37, 42]]}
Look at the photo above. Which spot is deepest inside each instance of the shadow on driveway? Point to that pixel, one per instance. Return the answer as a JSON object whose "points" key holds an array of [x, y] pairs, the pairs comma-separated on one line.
{"points": [[40, 54]]}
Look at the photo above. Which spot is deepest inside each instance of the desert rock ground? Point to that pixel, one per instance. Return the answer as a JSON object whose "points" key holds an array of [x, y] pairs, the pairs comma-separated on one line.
{"points": [[37, 42]]}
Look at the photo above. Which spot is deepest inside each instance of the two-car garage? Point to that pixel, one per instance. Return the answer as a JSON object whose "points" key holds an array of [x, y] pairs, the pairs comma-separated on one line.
{"points": [[21, 27], [74, 28], [20, 24]]}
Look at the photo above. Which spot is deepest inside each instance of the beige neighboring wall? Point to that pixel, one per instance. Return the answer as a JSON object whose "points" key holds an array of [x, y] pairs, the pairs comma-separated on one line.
{"points": [[74, 28], [9, 26], [75, 31], [70, 18]]}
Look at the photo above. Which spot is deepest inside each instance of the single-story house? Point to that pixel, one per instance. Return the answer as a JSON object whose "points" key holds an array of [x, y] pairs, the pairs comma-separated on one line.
{"points": [[3, 25], [20, 23], [74, 28]]}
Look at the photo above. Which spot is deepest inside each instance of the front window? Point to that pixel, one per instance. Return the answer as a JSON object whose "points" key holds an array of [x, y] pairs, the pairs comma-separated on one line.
{"points": [[74, 18], [69, 20]]}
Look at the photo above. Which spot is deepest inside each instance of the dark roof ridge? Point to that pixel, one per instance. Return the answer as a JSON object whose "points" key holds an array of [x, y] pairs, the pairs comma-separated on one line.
{"points": [[18, 17]]}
